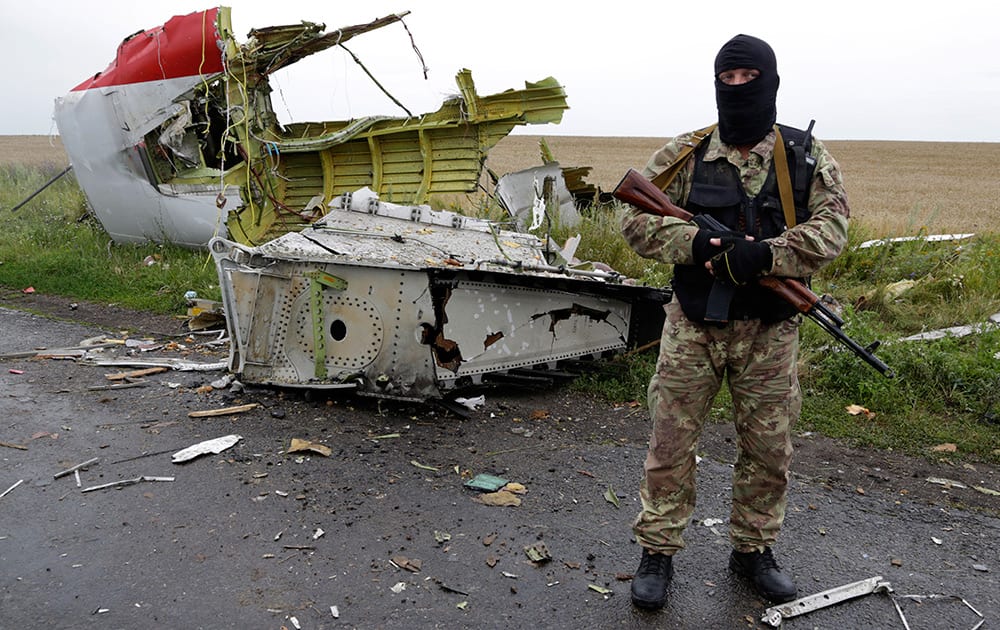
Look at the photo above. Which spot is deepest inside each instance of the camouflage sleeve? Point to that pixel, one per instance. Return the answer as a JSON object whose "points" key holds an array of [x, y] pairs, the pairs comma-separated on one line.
{"points": [[662, 238], [807, 247]]}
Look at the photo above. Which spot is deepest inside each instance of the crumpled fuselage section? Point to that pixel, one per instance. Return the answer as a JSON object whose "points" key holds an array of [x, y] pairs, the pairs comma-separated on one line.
{"points": [[177, 139]]}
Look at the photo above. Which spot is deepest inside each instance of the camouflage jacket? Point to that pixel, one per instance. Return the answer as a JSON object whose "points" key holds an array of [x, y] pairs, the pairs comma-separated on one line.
{"points": [[799, 252]]}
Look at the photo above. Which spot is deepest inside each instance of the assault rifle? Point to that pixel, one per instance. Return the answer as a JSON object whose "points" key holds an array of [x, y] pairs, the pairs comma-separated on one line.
{"points": [[643, 194]]}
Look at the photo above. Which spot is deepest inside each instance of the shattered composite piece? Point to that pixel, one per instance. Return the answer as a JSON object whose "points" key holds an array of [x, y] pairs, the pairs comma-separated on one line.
{"points": [[177, 139], [411, 303]]}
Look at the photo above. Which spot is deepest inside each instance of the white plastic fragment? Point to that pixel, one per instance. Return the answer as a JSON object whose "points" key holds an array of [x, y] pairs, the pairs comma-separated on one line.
{"points": [[335, 612], [398, 587], [215, 446], [472, 403]]}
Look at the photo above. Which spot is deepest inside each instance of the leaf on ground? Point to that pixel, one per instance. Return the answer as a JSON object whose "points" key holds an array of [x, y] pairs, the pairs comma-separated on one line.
{"points": [[611, 497]]}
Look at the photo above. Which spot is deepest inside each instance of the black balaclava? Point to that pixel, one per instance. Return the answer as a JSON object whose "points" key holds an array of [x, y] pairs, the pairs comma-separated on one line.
{"points": [[747, 112]]}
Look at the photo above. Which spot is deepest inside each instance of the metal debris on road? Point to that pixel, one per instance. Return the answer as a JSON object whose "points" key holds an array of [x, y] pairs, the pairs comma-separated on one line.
{"points": [[5, 492], [774, 615], [126, 482], [73, 469]]}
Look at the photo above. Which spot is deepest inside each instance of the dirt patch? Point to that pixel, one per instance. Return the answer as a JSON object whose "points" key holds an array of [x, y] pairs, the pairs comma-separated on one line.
{"points": [[818, 458]]}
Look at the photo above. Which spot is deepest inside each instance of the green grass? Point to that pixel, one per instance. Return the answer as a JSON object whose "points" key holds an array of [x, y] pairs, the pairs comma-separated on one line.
{"points": [[52, 245], [946, 390]]}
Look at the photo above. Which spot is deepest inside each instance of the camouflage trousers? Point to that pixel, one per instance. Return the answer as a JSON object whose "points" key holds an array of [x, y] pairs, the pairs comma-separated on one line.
{"points": [[758, 362]]}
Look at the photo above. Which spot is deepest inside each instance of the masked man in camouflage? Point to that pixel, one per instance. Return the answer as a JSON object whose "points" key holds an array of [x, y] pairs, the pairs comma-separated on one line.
{"points": [[729, 171]]}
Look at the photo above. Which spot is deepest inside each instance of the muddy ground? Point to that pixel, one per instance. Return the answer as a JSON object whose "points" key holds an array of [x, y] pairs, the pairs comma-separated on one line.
{"points": [[384, 530]]}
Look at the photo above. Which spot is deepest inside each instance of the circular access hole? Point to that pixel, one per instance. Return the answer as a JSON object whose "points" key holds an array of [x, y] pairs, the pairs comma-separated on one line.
{"points": [[338, 330]]}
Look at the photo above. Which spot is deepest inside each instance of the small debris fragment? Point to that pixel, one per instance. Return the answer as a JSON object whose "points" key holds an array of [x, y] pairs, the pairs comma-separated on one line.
{"points": [[422, 466], [937, 541], [398, 587], [305, 445], [896, 562], [122, 376], [19, 447], [335, 612], [73, 469], [948, 483], [537, 552], [488, 483], [441, 537], [224, 411], [125, 482], [450, 589], [472, 403], [295, 622], [600, 589], [318, 534], [981, 567], [947, 447], [5, 492], [857, 410], [215, 446], [500, 498], [412, 565]]}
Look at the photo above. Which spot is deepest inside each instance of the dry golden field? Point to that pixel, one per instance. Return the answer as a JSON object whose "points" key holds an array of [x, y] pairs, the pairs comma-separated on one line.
{"points": [[895, 188]]}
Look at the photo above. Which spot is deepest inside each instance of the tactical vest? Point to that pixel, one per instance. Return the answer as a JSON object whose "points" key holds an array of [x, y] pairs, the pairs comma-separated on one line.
{"points": [[716, 190]]}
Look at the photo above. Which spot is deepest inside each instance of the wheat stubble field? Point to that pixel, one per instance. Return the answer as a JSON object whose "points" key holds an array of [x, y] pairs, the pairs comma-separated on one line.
{"points": [[895, 188]]}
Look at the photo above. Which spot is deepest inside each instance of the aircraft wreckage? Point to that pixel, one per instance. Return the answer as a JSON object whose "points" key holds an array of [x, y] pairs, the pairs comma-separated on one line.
{"points": [[334, 271], [411, 303], [177, 140]]}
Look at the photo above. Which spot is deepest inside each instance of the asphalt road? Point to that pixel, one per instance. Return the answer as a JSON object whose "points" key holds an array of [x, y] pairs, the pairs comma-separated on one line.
{"points": [[381, 533]]}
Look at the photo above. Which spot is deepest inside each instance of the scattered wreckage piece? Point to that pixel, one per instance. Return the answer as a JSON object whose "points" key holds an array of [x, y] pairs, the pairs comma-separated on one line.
{"points": [[410, 303], [930, 238], [126, 482], [213, 446], [73, 469], [776, 614], [773, 616], [957, 331], [177, 140]]}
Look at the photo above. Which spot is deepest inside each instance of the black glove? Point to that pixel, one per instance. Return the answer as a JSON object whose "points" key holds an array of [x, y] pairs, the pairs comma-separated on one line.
{"points": [[702, 250], [741, 260]]}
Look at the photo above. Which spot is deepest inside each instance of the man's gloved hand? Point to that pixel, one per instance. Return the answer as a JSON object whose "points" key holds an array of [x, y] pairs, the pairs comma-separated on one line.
{"points": [[741, 260], [702, 250]]}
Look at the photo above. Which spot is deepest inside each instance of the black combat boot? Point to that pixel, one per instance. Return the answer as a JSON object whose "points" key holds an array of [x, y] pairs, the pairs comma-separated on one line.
{"points": [[763, 571], [649, 585]]}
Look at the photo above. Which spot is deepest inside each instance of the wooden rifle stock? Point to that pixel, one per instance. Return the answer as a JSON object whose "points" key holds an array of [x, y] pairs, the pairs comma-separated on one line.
{"points": [[638, 191]]}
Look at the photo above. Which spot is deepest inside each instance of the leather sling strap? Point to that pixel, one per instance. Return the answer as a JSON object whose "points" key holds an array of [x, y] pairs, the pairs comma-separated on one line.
{"points": [[664, 178], [784, 179]]}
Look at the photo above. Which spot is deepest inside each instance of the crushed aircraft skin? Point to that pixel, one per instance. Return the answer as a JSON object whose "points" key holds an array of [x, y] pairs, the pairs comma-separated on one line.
{"points": [[411, 303], [177, 139]]}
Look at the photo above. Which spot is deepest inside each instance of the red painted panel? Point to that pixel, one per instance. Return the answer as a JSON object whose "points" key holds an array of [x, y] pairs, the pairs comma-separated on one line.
{"points": [[187, 45]]}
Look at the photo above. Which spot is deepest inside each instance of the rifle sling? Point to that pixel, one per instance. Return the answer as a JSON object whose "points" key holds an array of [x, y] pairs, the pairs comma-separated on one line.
{"points": [[666, 177], [784, 179]]}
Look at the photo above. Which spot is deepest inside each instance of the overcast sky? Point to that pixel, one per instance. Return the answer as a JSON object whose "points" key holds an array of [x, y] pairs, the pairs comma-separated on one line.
{"points": [[862, 69]]}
